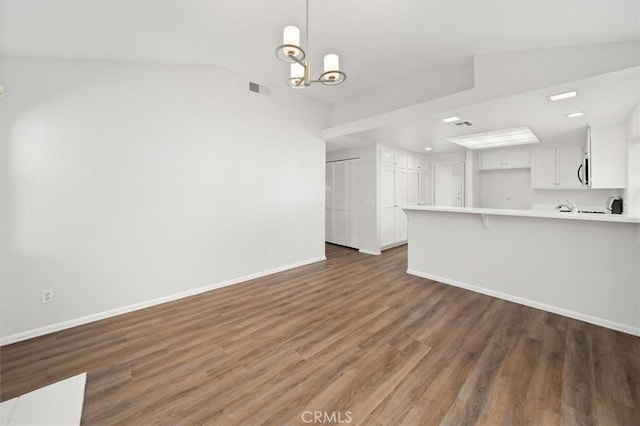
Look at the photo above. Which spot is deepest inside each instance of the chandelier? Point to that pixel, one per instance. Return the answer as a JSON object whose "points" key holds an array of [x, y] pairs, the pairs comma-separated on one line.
{"points": [[291, 52]]}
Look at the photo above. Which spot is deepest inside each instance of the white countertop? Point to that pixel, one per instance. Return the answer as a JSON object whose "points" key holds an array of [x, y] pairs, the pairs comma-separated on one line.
{"points": [[528, 213]]}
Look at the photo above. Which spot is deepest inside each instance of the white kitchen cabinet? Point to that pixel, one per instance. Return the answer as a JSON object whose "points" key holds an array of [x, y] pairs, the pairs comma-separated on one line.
{"points": [[393, 158], [557, 168], [417, 162], [393, 196], [607, 152], [423, 190], [387, 206], [400, 193], [494, 160], [413, 187], [403, 181]]}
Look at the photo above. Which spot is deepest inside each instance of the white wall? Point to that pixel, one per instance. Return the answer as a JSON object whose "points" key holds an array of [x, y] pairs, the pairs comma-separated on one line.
{"points": [[511, 189], [506, 189], [404, 92], [632, 194], [368, 206], [582, 269], [127, 182]]}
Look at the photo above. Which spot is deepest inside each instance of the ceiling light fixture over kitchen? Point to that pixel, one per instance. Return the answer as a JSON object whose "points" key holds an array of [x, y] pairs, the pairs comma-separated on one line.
{"points": [[291, 53], [564, 95], [575, 114], [428, 148], [506, 137], [450, 119]]}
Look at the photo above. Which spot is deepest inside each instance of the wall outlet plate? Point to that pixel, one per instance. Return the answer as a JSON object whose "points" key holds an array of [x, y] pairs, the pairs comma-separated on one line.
{"points": [[47, 296]]}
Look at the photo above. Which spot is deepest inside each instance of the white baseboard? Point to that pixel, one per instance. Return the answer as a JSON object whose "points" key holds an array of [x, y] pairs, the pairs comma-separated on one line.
{"points": [[371, 252], [527, 302], [18, 337], [390, 246]]}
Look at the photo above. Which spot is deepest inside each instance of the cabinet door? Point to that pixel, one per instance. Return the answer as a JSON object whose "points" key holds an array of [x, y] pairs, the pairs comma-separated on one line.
{"points": [[516, 159], [400, 218], [543, 172], [491, 160], [400, 187], [401, 159], [423, 163], [609, 156], [413, 186], [387, 187], [423, 191], [569, 160], [400, 225], [414, 162], [387, 156], [387, 225]]}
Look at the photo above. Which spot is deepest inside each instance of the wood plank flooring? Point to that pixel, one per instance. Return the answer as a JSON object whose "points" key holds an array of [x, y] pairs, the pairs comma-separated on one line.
{"points": [[354, 338]]}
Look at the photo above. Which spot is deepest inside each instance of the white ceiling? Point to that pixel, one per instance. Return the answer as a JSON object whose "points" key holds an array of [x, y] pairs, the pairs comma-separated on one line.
{"points": [[604, 99], [378, 41]]}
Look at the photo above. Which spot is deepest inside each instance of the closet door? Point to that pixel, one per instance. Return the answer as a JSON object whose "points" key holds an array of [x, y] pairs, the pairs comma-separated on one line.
{"points": [[328, 202], [342, 201]]}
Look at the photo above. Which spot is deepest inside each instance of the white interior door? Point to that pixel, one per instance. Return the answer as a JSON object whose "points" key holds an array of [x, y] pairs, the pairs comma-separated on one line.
{"points": [[342, 202], [449, 184]]}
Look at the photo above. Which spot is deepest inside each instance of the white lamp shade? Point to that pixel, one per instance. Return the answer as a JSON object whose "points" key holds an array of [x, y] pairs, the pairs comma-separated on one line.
{"points": [[291, 35], [331, 62], [297, 71]]}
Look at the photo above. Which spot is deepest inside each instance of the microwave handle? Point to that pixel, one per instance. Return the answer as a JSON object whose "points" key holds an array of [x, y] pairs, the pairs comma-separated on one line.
{"points": [[580, 177]]}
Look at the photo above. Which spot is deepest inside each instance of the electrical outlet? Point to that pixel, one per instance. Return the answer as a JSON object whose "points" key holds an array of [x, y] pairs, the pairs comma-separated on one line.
{"points": [[47, 296]]}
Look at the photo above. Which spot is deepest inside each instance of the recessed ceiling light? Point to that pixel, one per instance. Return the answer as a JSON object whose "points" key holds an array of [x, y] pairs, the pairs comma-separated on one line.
{"points": [[506, 137], [451, 119], [428, 148], [574, 114], [564, 95]]}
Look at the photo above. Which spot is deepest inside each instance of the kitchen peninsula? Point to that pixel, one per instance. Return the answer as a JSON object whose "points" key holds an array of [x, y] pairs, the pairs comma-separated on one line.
{"points": [[581, 265]]}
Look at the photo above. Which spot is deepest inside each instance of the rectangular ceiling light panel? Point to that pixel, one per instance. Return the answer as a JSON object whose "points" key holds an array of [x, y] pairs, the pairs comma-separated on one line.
{"points": [[506, 137], [565, 95]]}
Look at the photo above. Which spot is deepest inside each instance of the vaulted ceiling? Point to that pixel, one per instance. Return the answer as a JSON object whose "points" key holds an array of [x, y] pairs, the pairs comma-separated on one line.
{"points": [[382, 45], [378, 41]]}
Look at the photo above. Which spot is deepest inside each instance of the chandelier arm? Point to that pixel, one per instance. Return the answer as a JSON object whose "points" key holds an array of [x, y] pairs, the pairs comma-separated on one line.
{"points": [[301, 62]]}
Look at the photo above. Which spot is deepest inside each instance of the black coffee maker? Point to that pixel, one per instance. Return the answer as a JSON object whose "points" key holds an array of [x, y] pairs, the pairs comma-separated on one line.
{"points": [[615, 205]]}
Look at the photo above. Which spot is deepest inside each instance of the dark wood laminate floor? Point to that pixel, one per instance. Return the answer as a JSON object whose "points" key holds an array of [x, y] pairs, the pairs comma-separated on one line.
{"points": [[355, 336]]}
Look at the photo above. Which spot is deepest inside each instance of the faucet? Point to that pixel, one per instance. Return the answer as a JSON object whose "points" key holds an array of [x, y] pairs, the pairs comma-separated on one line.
{"points": [[572, 207]]}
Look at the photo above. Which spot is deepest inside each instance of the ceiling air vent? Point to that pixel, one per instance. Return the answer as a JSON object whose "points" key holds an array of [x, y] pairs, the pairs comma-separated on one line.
{"points": [[464, 123], [256, 88]]}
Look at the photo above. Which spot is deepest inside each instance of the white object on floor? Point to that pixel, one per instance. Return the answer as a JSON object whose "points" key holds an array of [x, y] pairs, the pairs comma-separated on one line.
{"points": [[6, 410], [57, 404]]}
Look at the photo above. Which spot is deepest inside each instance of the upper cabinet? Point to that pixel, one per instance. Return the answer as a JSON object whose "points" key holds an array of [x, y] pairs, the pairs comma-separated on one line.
{"points": [[557, 168], [495, 160], [417, 162], [393, 158], [607, 154]]}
